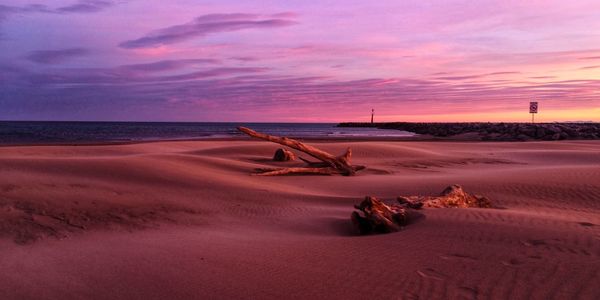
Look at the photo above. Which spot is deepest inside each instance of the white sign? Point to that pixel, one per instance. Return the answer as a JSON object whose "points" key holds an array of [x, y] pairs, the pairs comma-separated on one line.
{"points": [[533, 107]]}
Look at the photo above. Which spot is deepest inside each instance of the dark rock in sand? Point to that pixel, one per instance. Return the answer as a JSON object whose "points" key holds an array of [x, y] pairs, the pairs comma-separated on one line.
{"points": [[284, 155]]}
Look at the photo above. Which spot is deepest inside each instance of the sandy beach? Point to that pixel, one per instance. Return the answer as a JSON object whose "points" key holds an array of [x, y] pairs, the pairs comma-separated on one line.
{"points": [[185, 220]]}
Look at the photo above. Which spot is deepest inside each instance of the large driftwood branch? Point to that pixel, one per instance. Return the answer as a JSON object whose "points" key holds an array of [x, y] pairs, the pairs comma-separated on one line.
{"points": [[330, 164]]}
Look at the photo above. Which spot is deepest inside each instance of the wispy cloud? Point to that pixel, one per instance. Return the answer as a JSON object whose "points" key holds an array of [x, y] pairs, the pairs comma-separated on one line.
{"points": [[83, 6], [125, 75], [590, 57], [56, 56], [210, 73], [6, 10], [542, 77], [589, 67], [244, 58], [86, 6], [476, 76], [168, 65], [205, 25]]}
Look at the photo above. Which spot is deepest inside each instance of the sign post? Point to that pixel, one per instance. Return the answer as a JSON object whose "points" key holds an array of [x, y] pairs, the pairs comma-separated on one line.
{"points": [[533, 109]]}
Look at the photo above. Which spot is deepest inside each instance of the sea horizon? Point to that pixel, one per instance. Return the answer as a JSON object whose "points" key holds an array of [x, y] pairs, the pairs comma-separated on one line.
{"points": [[51, 132]]}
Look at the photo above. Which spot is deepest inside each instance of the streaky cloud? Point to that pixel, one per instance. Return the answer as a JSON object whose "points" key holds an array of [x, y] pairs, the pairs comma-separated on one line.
{"points": [[502, 73], [210, 73], [56, 56], [590, 57], [476, 76], [119, 76], [83, 6], [167, 65], [6, 11], [86, 6], [205, 25], [244, 58]]}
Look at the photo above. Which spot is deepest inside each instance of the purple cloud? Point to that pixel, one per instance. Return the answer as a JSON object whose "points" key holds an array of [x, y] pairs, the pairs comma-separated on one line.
{"points": [[210, 73], [82, 6], [464, 77], [6, 11], [123, 75], [56, 56], [244, 58], [86, 6], [205, 25], [167, 65]]}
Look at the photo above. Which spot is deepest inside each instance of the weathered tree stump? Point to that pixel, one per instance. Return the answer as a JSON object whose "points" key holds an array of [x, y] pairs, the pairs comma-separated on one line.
{"points": [[378, 217], [329, 164], [452, 196], [284, 155]]}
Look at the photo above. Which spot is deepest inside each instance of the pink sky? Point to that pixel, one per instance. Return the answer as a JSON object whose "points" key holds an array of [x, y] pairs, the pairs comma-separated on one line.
{"points": [[323, 61]]}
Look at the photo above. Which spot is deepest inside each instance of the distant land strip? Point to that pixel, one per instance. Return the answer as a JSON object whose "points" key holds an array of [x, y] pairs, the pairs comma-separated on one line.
{"points": [[494, 131]]}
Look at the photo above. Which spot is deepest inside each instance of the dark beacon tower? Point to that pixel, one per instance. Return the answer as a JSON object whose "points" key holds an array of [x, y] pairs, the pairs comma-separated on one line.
{"points": [[372, 113]]}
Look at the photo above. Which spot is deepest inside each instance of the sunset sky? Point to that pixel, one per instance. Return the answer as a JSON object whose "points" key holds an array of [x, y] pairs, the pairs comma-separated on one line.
{"points": [[299, 61]]}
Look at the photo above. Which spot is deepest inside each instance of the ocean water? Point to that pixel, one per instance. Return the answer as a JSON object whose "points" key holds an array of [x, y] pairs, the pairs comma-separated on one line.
{"points": [[25, 132]]}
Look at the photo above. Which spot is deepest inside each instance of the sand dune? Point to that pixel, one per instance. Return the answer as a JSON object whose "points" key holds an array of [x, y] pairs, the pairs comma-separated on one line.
{"points": [[181, 220]]}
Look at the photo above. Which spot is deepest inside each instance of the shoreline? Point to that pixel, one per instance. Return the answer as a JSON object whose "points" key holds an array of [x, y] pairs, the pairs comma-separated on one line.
{"points": [[416, 138], [425, 136], [220, 139]]}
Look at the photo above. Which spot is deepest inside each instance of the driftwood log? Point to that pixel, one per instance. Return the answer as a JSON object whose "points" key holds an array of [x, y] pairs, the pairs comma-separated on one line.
{"points": [[452, 196], [328, 165], [378, 217]]}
